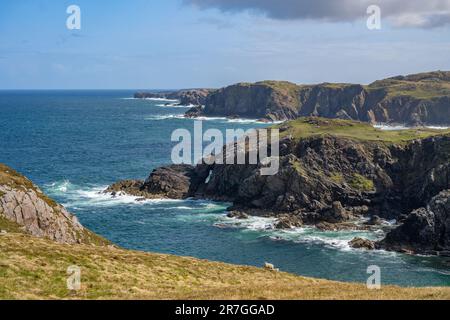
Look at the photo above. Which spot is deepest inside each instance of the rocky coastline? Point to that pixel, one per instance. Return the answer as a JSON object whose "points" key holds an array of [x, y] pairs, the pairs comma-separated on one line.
{"points": [[195, 97], [413, 100], [332, 177]]}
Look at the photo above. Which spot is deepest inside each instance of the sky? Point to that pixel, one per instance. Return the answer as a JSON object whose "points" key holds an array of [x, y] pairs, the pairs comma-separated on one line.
{"points": [[170, 44]]}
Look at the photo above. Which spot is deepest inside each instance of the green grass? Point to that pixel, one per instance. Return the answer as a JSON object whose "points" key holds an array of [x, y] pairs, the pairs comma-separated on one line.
{"points": [[361, 183], [307, 127], [32, 268], [420, 86], [337, 178], [8, 225]]}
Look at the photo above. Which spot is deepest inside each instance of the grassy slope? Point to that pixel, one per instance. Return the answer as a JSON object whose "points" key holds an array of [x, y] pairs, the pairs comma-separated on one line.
{"points": [[308, 127], [420, 86], [32, 268]]}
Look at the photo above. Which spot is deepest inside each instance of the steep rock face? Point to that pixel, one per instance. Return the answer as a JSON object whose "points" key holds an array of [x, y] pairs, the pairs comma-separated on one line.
{"points": [[331, 173], [172, 182], [387, 179], [24, 204], [413, 100], [272, 100], [334, 101], [426, 230]]}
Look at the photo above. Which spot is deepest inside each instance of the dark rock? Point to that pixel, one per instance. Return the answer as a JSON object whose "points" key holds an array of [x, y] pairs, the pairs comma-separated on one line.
{"points": [[173, 182], [359, 243], [185, 97], [426, 230], [336, 214], [374, 221], [238, 215]]}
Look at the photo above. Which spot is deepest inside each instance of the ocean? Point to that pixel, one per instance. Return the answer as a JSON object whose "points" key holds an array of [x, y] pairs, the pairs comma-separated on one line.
{"points": [[73, 144]]}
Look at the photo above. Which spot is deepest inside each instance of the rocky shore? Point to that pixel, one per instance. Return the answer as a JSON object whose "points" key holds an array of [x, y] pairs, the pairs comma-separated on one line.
{"points": [[333, 173], [420, 99], [195, 97], [40, 243]]}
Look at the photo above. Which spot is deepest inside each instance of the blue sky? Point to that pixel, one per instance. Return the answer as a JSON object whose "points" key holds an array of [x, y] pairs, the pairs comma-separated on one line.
{"points": [[175, 44]]}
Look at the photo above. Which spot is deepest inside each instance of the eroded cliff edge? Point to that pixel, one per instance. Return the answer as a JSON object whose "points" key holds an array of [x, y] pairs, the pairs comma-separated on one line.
{"points": [[420, 99], [332, 173], [25, 208]]}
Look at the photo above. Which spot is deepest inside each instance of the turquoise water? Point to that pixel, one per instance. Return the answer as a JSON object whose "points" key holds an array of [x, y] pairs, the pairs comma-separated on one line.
{"points": [[74, 143]]}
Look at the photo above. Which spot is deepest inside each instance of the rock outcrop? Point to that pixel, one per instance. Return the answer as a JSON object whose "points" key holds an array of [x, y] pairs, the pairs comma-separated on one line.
{"points": [[414, 100], [360, 243], [26, 206], [185, 97], [172, 182], [331, 174], [426, 230]]}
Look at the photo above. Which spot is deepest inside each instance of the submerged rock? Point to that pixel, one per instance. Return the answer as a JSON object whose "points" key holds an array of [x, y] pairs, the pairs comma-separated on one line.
{"points": [[238, 215]]}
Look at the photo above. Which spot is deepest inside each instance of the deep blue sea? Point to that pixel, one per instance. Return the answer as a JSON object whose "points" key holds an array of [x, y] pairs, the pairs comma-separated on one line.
{"points": [[74, 143]]}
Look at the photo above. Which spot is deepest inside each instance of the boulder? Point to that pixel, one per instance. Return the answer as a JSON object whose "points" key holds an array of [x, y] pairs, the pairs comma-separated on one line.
{"points": [[288, 222], [360, 243], [237, 215]]}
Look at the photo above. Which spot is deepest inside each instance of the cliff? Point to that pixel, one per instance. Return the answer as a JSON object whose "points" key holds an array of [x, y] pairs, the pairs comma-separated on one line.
{"points": [[332, 173], [25, 208], [39, 240], [413, 100]]}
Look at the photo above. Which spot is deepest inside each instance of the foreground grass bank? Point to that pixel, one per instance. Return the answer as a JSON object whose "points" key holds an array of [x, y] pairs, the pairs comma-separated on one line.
{"points": [[33, 268]]}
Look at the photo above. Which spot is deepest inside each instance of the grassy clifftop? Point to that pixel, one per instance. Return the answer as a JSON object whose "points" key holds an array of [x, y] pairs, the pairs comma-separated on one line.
{"points": [[420, 86], [307, 127], [414, 100], [32, 268]]}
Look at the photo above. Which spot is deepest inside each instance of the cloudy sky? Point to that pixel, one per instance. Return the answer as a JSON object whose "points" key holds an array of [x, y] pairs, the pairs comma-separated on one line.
{"points": [[212, 43]]}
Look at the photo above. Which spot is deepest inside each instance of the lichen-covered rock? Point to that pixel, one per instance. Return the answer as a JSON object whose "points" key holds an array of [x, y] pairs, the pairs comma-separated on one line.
{"points": [[24, 204]]}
